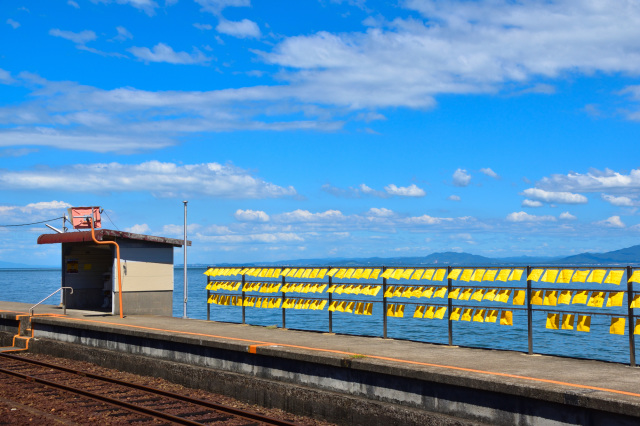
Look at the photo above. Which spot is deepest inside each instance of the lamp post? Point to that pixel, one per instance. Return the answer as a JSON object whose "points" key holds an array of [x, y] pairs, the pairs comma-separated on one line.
{"points": [[184, 313]]}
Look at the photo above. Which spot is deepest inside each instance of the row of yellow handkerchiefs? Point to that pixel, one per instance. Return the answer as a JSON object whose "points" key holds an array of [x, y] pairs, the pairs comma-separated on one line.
{"points": [[566, 276], [358, 308], [566, 297], [584, 323], [481, 315], [367, 290], [460, 293], [226, 285]]}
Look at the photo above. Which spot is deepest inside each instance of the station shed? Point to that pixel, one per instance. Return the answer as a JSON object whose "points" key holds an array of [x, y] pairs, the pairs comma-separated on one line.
{"points": [[91, 270]]}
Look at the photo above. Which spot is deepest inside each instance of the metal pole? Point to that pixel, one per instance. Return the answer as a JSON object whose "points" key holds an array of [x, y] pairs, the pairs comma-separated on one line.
{"points": [[450, 305], [384, 304], [330, 300], [529, 313], [243, 307], [208, 296], [632, 337], [284, 314], [184, 312]]}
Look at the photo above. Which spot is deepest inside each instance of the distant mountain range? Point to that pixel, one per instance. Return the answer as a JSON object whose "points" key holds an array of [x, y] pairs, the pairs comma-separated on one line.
{"points": [[11, 265], [627, 256]]}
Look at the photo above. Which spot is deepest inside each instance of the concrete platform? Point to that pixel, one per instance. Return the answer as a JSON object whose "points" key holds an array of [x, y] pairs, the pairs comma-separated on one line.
{"points": [[449, 385]]}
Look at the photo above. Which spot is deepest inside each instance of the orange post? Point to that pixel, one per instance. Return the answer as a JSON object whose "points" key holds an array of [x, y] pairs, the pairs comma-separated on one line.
{"points": [[117, 255]]}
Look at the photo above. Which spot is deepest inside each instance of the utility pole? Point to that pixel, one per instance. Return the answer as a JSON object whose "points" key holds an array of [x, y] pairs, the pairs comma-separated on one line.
{"points": [[184, 313]]}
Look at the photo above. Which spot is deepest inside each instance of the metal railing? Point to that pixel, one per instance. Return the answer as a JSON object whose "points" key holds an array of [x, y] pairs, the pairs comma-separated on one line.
{"points": [[543, 302], [64, 300]]}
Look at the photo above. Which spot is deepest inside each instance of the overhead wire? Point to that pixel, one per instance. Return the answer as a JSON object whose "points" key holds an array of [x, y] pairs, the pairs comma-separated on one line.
{"points": [[32, 223], [107, 214]]}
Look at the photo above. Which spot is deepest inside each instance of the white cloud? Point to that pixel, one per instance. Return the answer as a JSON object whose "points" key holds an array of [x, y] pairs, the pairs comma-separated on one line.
{"points": [[123, 34], [461, 177], [142, 228], [566, 216], [240, 29], [531, 203], [555, 197], [14, 24], [613, 222], [618, 201], [73, 4], [306, 216], [251, 216], [526, 217], [252, 238], [161, 179], [428, 220], [216, 6], [380, 212], [407, 191], [462, 47], [593, 181], [81, 38], [487, 171], [203, 26], [164, 53], [147, 6], [453, 198]]}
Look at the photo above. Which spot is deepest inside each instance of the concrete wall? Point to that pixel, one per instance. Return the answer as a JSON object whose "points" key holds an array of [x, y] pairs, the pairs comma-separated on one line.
{"points": [[145, 303]]}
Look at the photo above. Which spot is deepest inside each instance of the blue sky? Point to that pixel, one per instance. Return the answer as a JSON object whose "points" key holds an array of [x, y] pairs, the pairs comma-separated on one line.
{"points": [[324, 128]]}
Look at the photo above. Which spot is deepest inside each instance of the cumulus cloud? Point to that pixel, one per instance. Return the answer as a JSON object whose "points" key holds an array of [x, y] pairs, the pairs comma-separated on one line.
{"points": [[380, 212], [160, 179], [487, 171], [81, 38], [251, 216], [566, 216], [526, 217], [14, 24], [462, 47], [390, 190], [216, 6], [407, 191], [164, 53], [453, 198], [531, 203], [593, 181], [252, 238], [142, 228], [621, 201], [306, 216], [612, 222], [239, 29], [461, 177], [73, 4], [555, 196]]}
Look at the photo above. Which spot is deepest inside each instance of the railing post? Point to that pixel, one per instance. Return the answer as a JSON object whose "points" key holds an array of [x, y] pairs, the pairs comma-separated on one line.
{"points": [[208, 296], [632, 337], [330, 300], [284, 316], [449, 305], [243, 307], [529, 313], [384, 304]]}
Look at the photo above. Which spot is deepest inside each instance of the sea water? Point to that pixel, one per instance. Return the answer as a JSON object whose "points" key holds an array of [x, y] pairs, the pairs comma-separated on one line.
{"points": [[32, 285]]}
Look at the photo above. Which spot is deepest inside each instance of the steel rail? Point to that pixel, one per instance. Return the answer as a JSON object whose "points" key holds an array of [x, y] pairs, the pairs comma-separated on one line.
{"points": [[219, 407]]}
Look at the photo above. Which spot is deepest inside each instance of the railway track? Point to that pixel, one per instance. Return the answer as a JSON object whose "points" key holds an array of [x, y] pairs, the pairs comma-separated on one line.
{"points": [[120, 401]]}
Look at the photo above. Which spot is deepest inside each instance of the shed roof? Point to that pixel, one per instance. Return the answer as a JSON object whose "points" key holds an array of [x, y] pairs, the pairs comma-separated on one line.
{"points": [[105, 235]]}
